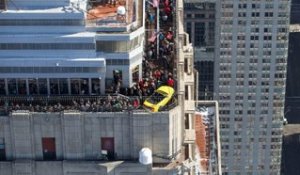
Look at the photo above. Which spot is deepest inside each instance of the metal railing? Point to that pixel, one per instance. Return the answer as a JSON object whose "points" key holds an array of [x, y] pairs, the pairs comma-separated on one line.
{"points": [[109, 103]]}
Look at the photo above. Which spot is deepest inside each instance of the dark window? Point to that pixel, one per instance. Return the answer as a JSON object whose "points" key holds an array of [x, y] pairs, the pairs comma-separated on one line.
{"points": [[2, 4], [186, 121], [185, 65], [2, 87], [2, 150], [108, 146], [135, 73], [199, 34], [200, 16], [206, 77], [48, 146], [186, 92]]}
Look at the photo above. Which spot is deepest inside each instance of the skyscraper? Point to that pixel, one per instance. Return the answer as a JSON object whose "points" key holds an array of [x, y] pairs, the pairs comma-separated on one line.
{"points": [[200, 25], [250, 74], [73, 79]]}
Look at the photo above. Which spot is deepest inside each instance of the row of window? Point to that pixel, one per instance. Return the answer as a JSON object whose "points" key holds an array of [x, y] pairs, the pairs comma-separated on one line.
{"points": [[255, 14], [41, 22], [54, 86], [200, 16], [255, 22], [255, 6], [47, 46], [202, 33], [57, 69], [118, 46], [199, 5], [2, 4], [117, 62], [224, 51]]}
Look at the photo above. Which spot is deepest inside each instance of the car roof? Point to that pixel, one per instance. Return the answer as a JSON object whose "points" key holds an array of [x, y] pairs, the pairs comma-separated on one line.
{"points": [[166, 89]]}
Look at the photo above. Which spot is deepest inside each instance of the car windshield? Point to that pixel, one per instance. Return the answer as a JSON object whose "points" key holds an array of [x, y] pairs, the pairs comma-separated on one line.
{"points": [[155, 98]]}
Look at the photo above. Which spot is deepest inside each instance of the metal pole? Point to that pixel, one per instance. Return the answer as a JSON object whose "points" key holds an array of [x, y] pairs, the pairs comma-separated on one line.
{"points": [[157, 28]]}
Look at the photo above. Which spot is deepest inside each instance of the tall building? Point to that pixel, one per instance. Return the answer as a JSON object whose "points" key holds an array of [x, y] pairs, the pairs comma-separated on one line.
{"points": [[73, 78], [199, 20], [250, 74]]}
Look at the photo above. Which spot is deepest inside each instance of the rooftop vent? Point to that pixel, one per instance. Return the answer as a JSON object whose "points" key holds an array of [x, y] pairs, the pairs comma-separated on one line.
{"points": [[121, 10], [145, 156]]}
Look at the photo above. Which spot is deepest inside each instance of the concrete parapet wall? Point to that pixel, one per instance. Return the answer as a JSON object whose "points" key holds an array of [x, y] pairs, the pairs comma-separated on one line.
{"points": [[78, 135], [27, 167]]}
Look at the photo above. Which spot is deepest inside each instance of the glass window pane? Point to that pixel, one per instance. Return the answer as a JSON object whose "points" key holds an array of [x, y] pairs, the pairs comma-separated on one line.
{"points": [[54, 86], [2, 87], [84, 86], [63, 86], [12, 86], [22, 87], [42, 86], [32, 83], [95, 86], [75, 86]]}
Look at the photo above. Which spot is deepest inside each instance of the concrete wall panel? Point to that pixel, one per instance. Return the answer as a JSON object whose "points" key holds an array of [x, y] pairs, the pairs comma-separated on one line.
{"points": [[22, 135], [6, 168]]}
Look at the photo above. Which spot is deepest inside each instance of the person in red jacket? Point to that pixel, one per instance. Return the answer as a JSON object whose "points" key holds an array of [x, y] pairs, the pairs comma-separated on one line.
{"points": [[170, 82]]}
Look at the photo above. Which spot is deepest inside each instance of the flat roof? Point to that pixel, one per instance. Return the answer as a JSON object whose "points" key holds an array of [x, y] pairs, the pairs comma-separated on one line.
{"points": [[106, 15]]}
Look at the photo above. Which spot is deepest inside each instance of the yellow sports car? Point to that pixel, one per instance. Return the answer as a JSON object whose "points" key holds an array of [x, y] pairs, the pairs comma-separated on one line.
{"points": [[159, 98]]}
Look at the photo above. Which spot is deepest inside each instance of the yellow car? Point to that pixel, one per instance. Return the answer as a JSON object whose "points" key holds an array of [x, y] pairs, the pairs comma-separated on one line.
{"points": [[159, 98]]}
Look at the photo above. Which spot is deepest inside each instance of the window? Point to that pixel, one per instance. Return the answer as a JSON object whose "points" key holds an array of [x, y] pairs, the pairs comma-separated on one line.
{"points": [[118, 46], [79, 86], [2, 149], [42, 86], [40, 22], [255, 14], [48, 147], [199, 34], [186, 92], [135, 74], [200, 16], [12, 86], [2, 87], [96, 86], [47, 46], [268, 14], [2, 4], [185, 65]]}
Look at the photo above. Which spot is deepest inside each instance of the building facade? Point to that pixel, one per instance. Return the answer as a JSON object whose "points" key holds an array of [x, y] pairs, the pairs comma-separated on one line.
{"points": [[69, 47], [250, 74], [58, 57], [199, 20]]}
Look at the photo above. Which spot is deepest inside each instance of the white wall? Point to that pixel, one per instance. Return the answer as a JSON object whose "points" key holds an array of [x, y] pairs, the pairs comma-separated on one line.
{"points": [[78, 135]]}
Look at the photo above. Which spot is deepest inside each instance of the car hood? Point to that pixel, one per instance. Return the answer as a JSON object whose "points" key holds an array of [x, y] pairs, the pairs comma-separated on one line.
{"points": [[148, 104]]}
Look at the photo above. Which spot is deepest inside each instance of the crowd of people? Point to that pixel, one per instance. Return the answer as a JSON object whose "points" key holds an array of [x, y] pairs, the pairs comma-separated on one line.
{"points": [[158, 69], [159, 57], [108, 103]]}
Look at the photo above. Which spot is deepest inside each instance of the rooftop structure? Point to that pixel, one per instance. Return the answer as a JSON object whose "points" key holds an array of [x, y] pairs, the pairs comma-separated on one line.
{"points": [[250, 73], [208, 146], [199, 19]]}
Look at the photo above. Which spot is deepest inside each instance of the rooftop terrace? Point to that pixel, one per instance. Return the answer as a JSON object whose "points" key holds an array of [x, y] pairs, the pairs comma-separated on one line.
{"points": [[111, 13]]}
